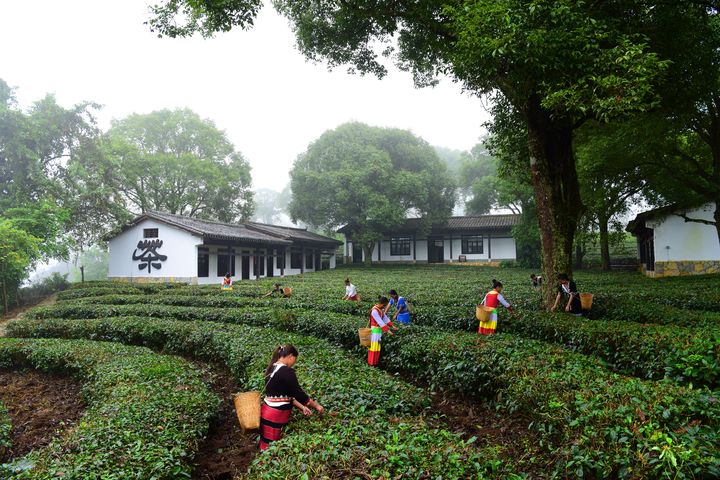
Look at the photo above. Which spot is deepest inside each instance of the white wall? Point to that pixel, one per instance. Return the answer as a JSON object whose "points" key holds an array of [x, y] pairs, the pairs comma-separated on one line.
{"points": [[179, 246], [687, 240], [502, 248]]}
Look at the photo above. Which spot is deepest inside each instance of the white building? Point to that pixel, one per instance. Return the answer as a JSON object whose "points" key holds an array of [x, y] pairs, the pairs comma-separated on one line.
{"points": [[479, 238], [163, 247], [670, 244]]}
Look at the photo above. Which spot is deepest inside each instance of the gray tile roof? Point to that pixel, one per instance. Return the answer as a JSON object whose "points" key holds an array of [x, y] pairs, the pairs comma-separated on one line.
{"points": [[211, 230], [454, 224], [301, 235]]}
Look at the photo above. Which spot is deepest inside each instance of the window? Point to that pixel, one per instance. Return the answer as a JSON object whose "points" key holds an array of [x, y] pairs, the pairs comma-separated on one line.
{"points": [[203, 262], [281, 260], [309, 265], [150, 233], [472, 244], [225, 263], [296, 259], [400, 245]]}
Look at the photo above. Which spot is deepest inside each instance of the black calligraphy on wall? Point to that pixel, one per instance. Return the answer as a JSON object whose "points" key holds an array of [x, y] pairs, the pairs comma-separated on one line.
{"points": [[149, 256]]}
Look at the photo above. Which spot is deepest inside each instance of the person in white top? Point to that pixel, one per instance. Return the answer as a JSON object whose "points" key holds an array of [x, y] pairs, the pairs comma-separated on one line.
{"points": [[351, 292]]}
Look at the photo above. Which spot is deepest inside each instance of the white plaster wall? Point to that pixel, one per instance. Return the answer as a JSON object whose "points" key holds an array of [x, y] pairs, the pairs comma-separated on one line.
{"points": [[687, 240], [179, 246], [502, 248]]}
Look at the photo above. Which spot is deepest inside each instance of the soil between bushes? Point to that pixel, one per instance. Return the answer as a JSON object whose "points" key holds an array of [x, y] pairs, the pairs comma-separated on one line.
{"points": [[42, 406], [226, 452]]}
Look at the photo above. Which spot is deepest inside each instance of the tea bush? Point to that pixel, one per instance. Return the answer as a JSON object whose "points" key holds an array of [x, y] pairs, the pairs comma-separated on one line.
{"points": [[367, 402], [5, 429], [146, 412]]}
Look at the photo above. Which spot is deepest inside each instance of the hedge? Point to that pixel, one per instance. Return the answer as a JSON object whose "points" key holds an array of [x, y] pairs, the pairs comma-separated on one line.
{"points": [[367, 402], [5, 430], [686, 355], [146, 412], [598, 423]]}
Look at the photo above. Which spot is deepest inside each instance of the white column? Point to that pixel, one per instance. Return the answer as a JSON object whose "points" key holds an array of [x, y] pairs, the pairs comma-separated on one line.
{"points": [[332, 261]]}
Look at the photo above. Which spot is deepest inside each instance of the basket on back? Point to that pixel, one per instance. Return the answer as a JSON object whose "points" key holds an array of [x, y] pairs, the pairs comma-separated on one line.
{"points": [[483, 313], [287, 291], [364, 334], [247, 406], [586, 300]]}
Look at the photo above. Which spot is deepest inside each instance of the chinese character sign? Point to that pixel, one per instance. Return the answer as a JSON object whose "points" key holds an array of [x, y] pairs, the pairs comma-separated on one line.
{"points": [[149, 257]]}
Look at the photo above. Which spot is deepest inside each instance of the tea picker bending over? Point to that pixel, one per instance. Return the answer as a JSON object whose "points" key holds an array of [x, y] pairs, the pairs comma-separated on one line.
{"points": [[282, 391], [492, 299], [351, 292], [379, 323], [227, 282], [568, 289], [402, 309]]}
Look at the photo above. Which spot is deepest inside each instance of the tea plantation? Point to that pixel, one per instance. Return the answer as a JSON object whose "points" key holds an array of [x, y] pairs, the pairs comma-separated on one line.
{"points": [[630, 391]]}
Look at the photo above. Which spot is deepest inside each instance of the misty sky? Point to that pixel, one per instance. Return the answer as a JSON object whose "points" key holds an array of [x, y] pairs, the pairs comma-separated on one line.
{"points": [[255, 85]]}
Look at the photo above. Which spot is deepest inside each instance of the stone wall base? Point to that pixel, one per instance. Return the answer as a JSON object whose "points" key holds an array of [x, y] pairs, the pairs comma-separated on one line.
{"points": [[190, 280], [684, 267]]}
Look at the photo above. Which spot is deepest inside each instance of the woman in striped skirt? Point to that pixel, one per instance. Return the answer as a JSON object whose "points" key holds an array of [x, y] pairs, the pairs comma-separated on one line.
{"points": [[492, 300], [282, 391], [379, 323]]}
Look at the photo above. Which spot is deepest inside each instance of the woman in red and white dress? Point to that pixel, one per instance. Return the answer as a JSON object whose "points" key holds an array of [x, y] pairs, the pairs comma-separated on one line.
{"points": [[282, 391], [379, 324], [351, 292], [492, 300]]}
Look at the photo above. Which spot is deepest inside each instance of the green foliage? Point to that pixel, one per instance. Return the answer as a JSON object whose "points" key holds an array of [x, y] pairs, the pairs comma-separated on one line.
{"points": [[146, 412], [47, 286], [177, 162], [18, 251], [370, 179], [5, 429]]}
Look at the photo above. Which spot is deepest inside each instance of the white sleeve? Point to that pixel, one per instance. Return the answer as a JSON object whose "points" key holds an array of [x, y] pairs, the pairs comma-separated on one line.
{"points": [[353, 290], [502, 300], [380, 321]]}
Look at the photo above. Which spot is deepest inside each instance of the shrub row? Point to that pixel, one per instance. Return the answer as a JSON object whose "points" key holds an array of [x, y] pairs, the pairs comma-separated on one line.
{"points": [[598, 423], [146, 412], [5, 429], [363, 439], [686, 355]]}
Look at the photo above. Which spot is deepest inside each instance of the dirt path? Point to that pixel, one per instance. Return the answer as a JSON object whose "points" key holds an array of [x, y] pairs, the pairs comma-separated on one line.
{"points": [[20, 312], [226, 452], [41, 407]]}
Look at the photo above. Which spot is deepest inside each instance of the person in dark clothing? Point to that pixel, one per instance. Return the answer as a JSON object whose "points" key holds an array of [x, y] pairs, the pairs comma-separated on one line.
{"points": [[282, 391], [536, 280], [568, 290]]}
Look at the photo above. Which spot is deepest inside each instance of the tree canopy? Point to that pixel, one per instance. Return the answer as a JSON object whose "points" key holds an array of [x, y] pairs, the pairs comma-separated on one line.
{"points": [[175, 161], [370, 179]]}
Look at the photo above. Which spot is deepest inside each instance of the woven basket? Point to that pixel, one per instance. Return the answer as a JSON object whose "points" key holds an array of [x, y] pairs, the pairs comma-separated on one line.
{"points": [[364, 334], [586, 300], [482, 312], [287, 291], [247, 406]]}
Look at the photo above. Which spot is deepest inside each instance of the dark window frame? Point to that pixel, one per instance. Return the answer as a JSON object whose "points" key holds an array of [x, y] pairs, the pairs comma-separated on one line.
{"points": [[203, 253], [296, 259], [472, 245], [309, 261], [151, 233], [280, 262], [231, 268], [400, 246]]}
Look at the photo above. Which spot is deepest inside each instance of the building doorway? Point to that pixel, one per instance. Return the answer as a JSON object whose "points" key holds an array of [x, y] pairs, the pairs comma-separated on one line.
{"points": [[436, 250], [271, 264], [357, 253], [245, 267]]}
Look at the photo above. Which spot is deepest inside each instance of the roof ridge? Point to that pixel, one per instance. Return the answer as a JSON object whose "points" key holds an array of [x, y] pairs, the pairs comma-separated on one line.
{"points": [[217, 222]]}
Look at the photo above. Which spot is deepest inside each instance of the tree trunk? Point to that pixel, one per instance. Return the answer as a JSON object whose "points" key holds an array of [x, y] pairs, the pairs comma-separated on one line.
{"points": [[604, 242], [368, 248], [5, 299], [557, 192], [579, 255]]}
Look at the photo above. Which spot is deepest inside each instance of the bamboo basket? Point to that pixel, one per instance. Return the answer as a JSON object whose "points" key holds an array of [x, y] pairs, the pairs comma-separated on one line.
{"points": [[364, 334], [287, 291], [482, 312], [247, 406], [586, 300]]}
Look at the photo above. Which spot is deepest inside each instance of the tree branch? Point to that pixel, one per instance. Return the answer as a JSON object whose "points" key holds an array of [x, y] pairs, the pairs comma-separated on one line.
{"points": [[696, 220]]}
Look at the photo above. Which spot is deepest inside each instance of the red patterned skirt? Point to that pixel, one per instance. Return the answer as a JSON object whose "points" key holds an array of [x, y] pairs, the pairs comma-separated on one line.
{"points": [[272, 421]]}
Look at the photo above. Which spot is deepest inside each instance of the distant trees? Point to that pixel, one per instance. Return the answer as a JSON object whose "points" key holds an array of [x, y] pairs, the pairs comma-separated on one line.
{"points": [[370, 179], [175, 161]]}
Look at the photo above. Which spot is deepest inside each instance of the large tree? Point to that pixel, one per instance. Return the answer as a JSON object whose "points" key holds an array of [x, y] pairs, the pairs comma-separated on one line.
{"points": [[175, 161], [370, 179], [556, 64]]}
